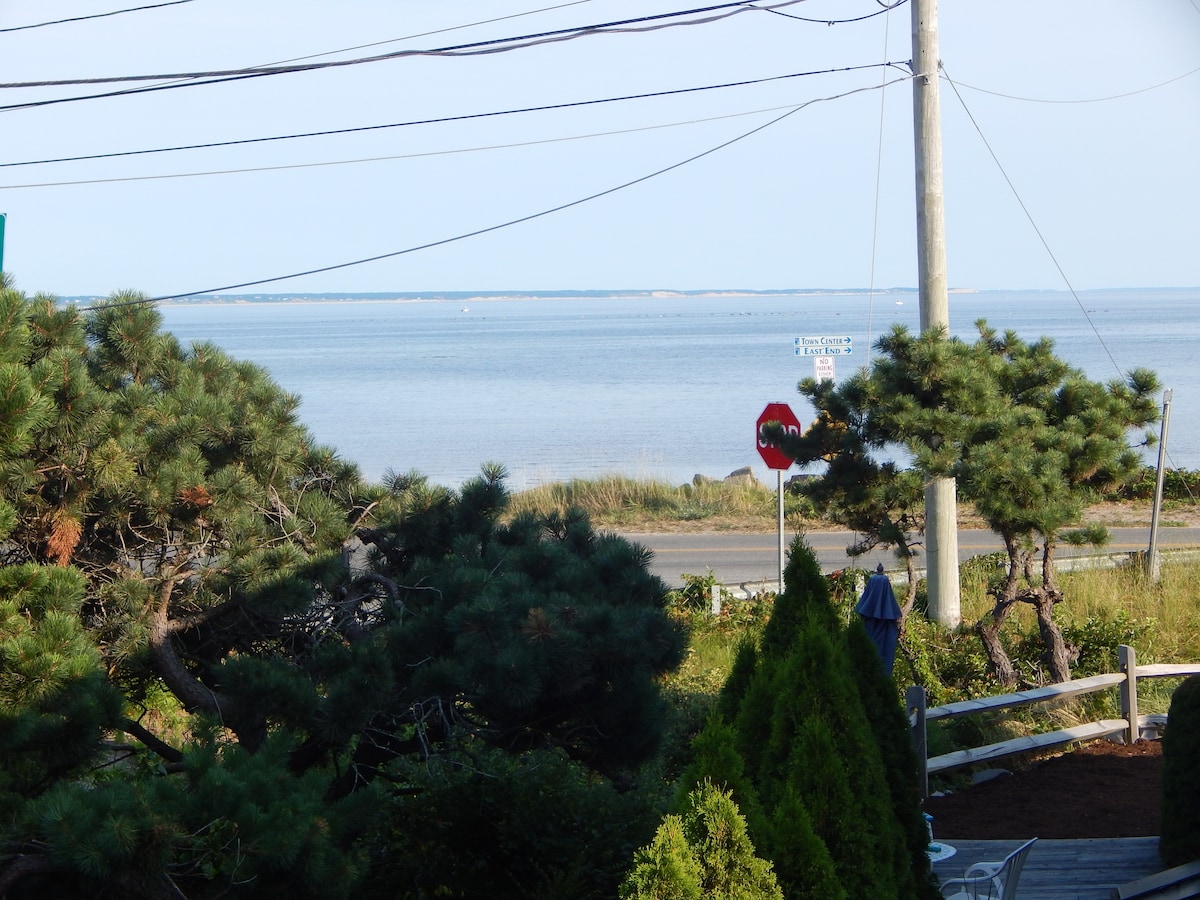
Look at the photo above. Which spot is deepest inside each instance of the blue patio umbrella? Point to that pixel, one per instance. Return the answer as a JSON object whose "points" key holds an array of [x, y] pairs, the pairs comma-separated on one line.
{"points": [[881, 616]]}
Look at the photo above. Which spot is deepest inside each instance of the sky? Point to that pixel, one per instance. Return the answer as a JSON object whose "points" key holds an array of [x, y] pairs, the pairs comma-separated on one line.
{"points": [[1071, 132]]}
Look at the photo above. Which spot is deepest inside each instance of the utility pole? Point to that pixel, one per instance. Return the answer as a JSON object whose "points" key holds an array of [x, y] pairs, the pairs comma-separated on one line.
{"points": [[941, 503]]}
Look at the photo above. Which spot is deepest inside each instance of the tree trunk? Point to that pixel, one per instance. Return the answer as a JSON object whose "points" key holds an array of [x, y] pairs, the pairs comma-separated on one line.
{"points": [[988, 629], [910, 599], [1056, 655]]}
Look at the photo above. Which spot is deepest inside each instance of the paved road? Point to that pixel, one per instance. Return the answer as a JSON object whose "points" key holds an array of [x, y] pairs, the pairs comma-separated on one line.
{"points": [[746, 558]]}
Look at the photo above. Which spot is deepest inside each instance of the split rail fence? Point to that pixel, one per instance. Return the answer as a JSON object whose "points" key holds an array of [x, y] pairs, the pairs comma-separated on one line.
{"points": [[1130, 726]]}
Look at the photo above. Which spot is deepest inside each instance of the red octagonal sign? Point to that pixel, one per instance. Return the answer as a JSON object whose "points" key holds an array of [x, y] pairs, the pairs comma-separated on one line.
{"points": [[781, 413]]}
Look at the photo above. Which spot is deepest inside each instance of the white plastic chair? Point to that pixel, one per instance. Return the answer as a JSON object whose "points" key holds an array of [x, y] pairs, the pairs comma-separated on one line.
{"points": [[990, 880]]}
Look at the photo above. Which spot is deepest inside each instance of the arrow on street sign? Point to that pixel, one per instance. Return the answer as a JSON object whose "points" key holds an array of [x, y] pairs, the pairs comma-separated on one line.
{"points": [[827, 340], [847, 350], [824, 345]]}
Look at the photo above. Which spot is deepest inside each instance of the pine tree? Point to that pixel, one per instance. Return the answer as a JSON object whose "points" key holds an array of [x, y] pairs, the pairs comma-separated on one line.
{"points": [[184, 573], [1030, 440]]}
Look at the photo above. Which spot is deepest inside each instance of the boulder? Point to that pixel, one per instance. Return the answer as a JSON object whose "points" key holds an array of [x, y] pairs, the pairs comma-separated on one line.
{"points": [[744, 475]]}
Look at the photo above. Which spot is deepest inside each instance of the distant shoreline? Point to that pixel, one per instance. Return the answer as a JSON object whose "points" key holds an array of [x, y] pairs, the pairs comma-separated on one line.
{"points": [[650, 294], [493, 296]]}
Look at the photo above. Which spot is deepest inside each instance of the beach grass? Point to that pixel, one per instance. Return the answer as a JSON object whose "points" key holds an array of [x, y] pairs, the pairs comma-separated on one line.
{"points": [[619, 502]]}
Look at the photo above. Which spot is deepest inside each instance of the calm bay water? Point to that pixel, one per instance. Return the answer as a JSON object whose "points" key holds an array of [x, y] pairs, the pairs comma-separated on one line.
{"points": [[650, 387]]}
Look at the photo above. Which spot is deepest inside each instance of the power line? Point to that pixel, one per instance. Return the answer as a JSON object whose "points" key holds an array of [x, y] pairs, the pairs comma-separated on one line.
{"points": [[517, 221], [444, 119], [370, 159], [878, 185], [1120, 96], [413, 37], [879, 12], [494, 45], [1028, 215], [115, 12]]}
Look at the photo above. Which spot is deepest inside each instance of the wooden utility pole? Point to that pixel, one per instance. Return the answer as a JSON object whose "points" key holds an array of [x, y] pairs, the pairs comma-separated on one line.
{"points": [[941, 503]]}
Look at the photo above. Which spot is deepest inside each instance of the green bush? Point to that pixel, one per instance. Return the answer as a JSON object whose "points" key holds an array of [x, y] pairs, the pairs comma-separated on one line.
{"points": [[812, 753], [535, 827], [1178, 484], [706, 852], [1179, 840]]}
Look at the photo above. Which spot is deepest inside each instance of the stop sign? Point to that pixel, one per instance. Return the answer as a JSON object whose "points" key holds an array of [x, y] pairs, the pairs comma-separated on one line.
{"points": [[781, 413]]}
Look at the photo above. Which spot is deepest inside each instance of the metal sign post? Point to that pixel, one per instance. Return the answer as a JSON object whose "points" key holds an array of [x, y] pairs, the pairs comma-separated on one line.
{"points": [[1152, 560]]}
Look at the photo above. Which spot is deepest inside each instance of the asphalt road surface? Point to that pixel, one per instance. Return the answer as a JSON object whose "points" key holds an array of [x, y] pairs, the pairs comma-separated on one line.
{"points": [[754, 558]]}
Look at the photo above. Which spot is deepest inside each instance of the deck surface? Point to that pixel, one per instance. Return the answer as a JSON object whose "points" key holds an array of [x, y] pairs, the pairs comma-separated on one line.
{"points": [[1064, 870]]}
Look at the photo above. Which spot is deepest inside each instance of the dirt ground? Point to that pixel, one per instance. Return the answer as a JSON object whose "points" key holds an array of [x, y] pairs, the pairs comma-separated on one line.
{"points": [[1100, 790]]}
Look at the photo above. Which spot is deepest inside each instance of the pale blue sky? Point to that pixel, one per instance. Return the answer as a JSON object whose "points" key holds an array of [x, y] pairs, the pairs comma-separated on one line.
{"points": [[1113, 186]]}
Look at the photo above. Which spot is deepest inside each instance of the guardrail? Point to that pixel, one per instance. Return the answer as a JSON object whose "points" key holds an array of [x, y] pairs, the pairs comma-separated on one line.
{"points": [[1129, 726]]}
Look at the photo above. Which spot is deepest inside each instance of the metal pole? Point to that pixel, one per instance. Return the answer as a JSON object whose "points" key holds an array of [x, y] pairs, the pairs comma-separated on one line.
{"points": [[1152, 561], [941, 503], [779, 472]]}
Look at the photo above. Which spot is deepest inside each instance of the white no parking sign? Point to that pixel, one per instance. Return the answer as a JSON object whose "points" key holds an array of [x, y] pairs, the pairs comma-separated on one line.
{"points": [[823, 368]]}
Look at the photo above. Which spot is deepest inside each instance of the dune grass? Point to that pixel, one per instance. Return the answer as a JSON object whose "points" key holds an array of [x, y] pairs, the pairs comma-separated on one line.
{"points": [[616, 501]]}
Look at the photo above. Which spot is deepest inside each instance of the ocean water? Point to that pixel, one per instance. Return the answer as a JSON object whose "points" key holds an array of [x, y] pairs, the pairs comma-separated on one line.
{"points": [[659, 387]]}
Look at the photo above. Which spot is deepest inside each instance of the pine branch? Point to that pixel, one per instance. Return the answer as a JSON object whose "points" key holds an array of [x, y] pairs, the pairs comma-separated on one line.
{"points": [[158, 746]]}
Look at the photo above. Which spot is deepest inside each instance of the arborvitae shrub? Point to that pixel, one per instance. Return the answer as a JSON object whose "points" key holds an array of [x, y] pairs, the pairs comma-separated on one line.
{"points": [[715, 759], [1179, 842], [665, 870], [831, 793], [820, 744], [745, 662], [889, 727], [802, 862], [709, 842], [730, 869], [806, 592]]}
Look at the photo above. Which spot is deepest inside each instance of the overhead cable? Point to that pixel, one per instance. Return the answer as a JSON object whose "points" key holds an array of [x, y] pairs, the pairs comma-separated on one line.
{"points": [[1105, 99], [444, 119], [522, 219], [879, 12], [1029, 216], [115, 12], [413, 37], [496, 45], [370, 159]]}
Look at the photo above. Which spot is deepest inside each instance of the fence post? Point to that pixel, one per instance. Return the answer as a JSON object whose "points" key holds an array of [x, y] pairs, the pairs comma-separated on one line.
{"points": [[1129, 704], [914, 700]]}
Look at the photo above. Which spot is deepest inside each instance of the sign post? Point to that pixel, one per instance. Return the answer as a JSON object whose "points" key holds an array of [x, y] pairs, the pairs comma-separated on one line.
{"points": [[781, 414], [2, 218]]}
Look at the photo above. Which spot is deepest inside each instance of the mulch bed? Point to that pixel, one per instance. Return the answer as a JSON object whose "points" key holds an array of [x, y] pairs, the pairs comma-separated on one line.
{"points": [[1101, 790]]}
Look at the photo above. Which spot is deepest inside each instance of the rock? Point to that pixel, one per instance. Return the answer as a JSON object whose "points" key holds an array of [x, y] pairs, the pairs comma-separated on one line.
{"points": [[744, 475], [698, 480]]}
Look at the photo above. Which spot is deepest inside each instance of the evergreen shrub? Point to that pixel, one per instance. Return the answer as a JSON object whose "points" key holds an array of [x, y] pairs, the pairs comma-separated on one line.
{"points": [[796, 742], [1179, 840], [705, 852], [490, 824]]}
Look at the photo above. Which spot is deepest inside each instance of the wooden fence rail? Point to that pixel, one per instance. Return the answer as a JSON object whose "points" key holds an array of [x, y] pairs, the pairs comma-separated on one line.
{"points": [[1129, 726]]}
